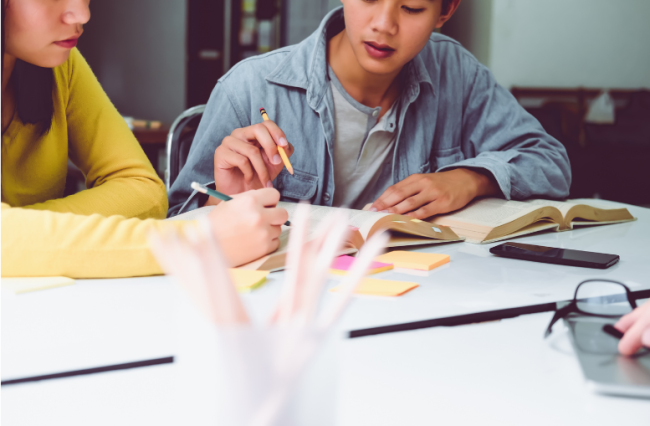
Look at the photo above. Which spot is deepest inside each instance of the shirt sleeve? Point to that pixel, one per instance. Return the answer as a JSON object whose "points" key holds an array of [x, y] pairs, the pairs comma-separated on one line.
{"points": [[43, 243], [502, 138], [120, 178], [220, 118]]}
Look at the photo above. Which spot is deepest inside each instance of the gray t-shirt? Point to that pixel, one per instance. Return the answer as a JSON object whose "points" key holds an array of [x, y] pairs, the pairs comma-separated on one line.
{"points": [[362, 146]]}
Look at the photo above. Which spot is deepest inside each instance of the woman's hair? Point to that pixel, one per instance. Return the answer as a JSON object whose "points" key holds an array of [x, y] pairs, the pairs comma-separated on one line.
{"points": [[33, 88]]}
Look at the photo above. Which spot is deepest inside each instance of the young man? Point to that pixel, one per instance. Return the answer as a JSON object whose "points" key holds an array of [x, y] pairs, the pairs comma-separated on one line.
{"points": [[378, 109]]}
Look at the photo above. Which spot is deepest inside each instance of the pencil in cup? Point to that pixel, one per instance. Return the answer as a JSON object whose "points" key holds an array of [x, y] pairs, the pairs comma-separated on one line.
{"points": [[281, 150], [216, 194]]}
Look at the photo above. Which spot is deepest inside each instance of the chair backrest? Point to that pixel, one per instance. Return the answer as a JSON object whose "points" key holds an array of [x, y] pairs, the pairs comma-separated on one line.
{"points": [[179, 140]]}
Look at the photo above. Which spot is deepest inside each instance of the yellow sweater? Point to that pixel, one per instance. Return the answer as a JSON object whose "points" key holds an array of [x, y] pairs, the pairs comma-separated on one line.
{"points": [[86, 234]]}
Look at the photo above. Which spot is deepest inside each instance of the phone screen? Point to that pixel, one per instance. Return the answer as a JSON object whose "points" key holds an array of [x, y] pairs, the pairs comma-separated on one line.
{"points": [[554, 255]]}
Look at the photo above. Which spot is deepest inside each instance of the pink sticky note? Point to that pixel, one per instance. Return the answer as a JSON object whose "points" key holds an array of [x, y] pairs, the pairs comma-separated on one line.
{"points": [[343, 264]]}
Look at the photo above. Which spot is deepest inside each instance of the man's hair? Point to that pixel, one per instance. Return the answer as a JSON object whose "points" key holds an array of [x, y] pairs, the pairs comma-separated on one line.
{"points": [[445, 5], [33, 87]]}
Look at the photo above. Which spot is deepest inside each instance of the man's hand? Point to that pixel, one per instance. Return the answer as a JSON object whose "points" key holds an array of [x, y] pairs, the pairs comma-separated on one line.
{"points": [[636, 326], [249, 159], [424, 195]]}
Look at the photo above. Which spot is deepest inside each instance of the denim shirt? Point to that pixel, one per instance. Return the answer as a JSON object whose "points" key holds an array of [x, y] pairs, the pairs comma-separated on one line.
{"points": [[451, 114]]}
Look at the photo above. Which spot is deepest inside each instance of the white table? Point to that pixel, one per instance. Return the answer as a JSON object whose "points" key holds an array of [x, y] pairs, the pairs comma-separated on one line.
{"points": [[499, 373], [130, 319]]}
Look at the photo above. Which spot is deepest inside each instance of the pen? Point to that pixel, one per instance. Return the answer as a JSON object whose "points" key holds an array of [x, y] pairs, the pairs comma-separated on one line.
{"points": [[216, 194], [615, 332], [283, 154]]}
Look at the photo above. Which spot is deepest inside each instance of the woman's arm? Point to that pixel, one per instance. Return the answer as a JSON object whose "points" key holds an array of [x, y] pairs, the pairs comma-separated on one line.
{"points": [[119, 176], [43, 243]]}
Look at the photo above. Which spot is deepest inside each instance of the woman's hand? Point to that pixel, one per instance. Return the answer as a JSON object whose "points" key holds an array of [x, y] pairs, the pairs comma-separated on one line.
{"points": [[636, 326], [248, 227], [424, 195], [249, 159]]}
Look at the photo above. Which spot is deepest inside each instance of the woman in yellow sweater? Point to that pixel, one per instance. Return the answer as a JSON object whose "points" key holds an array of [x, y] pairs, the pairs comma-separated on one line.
{"points": [[54, 109]]}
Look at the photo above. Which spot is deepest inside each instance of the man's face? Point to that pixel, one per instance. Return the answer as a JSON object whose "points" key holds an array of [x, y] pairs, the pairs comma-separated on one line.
{"points": [[386, 34]]}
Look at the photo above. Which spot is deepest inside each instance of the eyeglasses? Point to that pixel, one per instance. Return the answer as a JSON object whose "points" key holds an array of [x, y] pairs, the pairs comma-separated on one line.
{"points": [[597, 298]]}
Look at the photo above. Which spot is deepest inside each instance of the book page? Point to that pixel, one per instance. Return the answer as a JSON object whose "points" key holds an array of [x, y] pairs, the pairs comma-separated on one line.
{"points": [[488, 212], [562, 206], [357, 218]]}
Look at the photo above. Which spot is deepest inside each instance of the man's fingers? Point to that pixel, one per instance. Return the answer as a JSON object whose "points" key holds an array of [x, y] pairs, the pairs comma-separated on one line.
{"points": [[631, 341], [396, 194], [628, 320], [645, 338], [258, 135], [254, 155], [410, 204], [278, 135], [426, 211], [266, 136], [229, 159]]}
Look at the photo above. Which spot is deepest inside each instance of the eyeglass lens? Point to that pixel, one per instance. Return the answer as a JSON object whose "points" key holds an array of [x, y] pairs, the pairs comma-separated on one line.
{"points": [[603, 298]]}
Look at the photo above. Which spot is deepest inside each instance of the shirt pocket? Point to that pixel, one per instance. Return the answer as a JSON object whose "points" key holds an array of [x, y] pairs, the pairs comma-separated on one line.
{"points": [[299, 187], [447, 157]]}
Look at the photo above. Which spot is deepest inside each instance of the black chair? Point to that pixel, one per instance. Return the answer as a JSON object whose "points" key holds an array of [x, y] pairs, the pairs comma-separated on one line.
{"points": [[179, 140]]}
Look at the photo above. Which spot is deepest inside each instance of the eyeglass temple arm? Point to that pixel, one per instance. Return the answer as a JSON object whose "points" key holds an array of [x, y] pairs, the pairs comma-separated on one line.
{"points": [[560, 313]]}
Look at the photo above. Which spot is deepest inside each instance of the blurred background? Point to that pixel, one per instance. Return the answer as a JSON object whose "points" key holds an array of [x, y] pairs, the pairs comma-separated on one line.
{"points": [[582, 67]]}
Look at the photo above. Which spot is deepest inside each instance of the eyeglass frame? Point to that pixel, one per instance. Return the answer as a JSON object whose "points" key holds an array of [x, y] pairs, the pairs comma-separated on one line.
{"points": [[572, 307]]}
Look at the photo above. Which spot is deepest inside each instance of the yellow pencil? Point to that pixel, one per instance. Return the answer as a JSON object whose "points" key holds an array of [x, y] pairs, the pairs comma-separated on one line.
{"points": [[283, 154]]}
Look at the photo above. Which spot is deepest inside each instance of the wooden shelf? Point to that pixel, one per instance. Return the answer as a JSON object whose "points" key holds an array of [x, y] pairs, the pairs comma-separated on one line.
{"points": [[151, 136]]}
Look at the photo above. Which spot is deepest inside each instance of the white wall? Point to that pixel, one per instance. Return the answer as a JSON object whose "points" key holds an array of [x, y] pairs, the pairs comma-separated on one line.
{"points": [[570, 43], [471, 26], [137, 50]]}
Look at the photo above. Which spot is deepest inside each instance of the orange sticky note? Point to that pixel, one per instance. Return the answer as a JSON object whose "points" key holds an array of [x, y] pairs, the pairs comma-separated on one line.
{"points": [[375, 287], [414, 260]]}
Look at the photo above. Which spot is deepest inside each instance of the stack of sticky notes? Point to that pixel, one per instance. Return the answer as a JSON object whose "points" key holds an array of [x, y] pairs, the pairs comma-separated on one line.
{"points": [[414, 260], [375, 287], [26, 285], [343, 264], [246, 280]]}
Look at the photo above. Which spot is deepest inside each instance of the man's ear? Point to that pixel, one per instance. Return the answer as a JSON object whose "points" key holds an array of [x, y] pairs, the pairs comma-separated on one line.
{"points": [[446, 15]]}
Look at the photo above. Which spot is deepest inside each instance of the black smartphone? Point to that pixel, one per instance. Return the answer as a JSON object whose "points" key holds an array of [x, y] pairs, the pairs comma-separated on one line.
{"points": [[554, 255]]}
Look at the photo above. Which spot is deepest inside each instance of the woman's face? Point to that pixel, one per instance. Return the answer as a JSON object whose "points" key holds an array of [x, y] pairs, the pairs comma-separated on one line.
{"points": [[42, 32]]}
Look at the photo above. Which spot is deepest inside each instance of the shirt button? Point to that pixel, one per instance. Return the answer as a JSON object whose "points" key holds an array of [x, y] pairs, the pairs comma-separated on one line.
{"points": [[326, 196], [375, 113]]}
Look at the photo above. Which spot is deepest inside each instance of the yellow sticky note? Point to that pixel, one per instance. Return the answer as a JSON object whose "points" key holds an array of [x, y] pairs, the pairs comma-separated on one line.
{"points": [[246, 280], [414, 260], [375, 287], [26, 285]]}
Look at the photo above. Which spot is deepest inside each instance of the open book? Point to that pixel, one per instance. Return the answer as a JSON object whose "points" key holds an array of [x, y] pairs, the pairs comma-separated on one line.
{"points": [[490, 219], [405, 231]]}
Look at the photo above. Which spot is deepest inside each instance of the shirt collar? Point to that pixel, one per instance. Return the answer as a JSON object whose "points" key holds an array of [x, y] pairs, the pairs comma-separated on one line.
{"points": [[306, 65]]}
